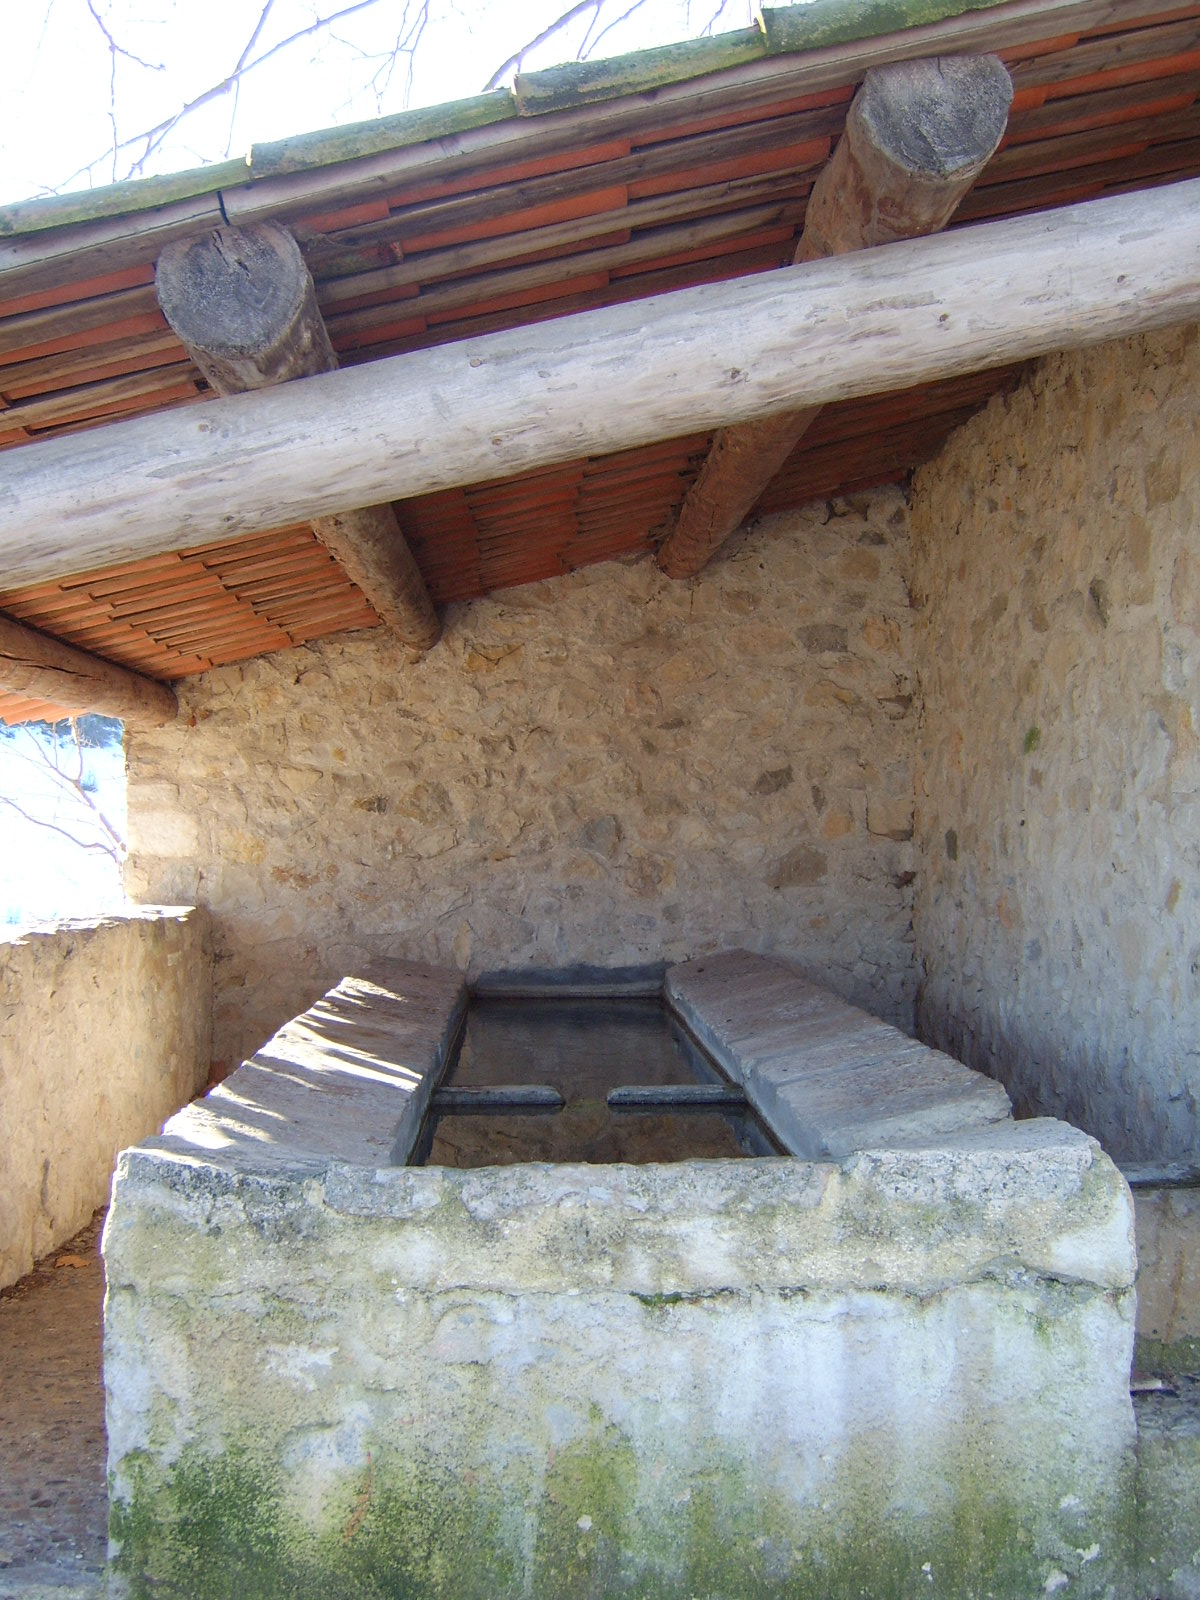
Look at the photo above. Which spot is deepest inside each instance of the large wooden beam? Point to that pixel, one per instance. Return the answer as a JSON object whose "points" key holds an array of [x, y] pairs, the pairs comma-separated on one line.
{"points": [[41, 668], [243, 302], [918, 134], [603, 381]]}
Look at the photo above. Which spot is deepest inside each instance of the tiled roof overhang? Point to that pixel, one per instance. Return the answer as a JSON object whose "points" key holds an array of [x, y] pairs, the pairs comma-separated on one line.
{"points": [[585, 187]]}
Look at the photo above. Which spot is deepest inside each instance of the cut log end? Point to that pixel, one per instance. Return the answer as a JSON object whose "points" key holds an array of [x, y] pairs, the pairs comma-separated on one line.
{"points": [[940, 118], [242, 302], [918, 134]]}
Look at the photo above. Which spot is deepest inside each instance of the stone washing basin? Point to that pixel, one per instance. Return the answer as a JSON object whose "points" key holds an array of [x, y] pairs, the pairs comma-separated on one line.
{"points": [[894, 1362]]}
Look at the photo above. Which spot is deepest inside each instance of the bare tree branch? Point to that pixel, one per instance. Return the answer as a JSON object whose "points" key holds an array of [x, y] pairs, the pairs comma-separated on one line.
{"points": [[586, 50], [95, 845], [255, 36], [151, 140], [69, 786], [514, 61], [116, 49], [133, 153]]}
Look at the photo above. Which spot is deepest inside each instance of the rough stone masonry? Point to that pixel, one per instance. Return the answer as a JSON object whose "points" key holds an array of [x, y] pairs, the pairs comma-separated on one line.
{"points": [[606, 768]]}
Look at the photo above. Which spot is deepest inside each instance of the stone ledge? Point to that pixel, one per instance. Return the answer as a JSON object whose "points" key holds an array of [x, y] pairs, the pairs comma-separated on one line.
{"points": [[21, 932], [348, 1080], [829, 1079], [1024, 1202]]}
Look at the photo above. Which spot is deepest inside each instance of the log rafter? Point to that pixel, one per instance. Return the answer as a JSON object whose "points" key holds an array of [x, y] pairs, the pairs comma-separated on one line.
{"points": [[603, 381], [41, 668], [918, 134], [243, 303]]}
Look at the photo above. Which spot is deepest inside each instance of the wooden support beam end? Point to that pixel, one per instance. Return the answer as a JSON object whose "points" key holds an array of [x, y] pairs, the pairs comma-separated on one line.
{"points": [[918, 134], [43, 668], [243, 302]]}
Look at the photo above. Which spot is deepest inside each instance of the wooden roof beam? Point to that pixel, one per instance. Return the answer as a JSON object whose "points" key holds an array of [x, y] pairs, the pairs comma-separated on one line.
{"points": [[602, 381], [41, 668], [918, 134], [243, 303]]}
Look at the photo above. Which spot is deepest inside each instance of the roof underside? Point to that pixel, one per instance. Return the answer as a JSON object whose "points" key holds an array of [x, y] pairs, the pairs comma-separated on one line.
{"points": [[531, 217]]}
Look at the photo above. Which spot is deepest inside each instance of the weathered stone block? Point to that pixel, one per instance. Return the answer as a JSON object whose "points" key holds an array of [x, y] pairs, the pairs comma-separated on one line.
{"points": [[827, 1077]]}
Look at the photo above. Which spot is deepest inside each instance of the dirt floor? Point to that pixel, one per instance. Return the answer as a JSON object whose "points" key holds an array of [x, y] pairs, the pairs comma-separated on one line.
{"points": [[53, 1509]]}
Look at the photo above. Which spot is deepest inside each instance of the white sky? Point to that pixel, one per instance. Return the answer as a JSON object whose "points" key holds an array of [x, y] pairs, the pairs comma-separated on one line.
{"points": [[42, 874], [58, 71]]}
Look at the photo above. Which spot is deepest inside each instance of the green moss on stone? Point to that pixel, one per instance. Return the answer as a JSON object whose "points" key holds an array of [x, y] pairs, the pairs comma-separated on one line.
{"points": [[604, 1522], [210, 1528], [1165, 1358], [586, 1518]]}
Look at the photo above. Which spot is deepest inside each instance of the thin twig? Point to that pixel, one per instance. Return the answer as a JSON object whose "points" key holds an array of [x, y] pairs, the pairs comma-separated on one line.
{"points": [[116, 49], [73, 785], [152, 139], [53, 827], [514, 61], [609, 26]]}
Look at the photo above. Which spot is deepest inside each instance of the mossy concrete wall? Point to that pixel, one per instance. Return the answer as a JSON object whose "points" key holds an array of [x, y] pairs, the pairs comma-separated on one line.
{"points": [[1057, 637], [903, 1374], [608, 768], [105, 1029]]}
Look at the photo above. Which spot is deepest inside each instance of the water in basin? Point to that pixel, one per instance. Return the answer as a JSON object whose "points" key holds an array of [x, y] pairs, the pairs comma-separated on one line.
{"points": [[583, 1048]]}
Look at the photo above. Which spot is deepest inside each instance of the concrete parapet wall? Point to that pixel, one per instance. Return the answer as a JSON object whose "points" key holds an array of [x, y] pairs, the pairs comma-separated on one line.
{"points": [[105, 1030]]}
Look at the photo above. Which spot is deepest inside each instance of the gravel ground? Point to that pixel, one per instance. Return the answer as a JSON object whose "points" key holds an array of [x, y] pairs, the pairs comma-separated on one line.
{"points": [[53, 1508]]}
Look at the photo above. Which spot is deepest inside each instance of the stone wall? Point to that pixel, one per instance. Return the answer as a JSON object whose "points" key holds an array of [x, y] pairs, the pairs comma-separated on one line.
{"points": [[105, 1030], [607, 768], [1057, 591], [1168, 1281]]}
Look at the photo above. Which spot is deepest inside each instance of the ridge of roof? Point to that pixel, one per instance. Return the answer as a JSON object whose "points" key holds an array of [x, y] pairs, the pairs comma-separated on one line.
{"points": [[786, 30]]}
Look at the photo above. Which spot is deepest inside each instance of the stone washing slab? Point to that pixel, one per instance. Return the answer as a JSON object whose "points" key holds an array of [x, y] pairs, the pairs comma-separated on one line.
{"points": [[347, 1080], [828, 1078]]}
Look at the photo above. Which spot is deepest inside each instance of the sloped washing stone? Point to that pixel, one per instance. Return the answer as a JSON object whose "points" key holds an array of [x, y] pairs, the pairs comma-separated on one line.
{"points": [[347, 1080], [827, 1077]]}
